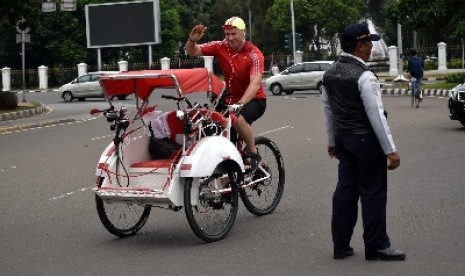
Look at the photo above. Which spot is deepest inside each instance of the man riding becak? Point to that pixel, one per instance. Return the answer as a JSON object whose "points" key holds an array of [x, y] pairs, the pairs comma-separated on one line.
{"points": [[242, 65]]}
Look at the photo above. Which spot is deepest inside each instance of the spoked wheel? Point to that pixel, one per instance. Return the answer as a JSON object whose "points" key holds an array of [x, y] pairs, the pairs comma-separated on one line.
{"points": [[211, 213], [122, 219], [264, 196]]}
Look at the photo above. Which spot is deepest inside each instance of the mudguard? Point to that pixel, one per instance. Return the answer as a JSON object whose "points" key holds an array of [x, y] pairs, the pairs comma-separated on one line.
{"points": [[204, 156]]}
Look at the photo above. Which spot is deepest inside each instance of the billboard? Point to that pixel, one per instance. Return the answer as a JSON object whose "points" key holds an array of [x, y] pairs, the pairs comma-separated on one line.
{"points": [[123, 24]]}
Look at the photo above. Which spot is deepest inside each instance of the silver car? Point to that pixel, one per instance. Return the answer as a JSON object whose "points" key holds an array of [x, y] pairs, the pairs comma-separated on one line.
{"points": [[300, 76], [85, 86]]}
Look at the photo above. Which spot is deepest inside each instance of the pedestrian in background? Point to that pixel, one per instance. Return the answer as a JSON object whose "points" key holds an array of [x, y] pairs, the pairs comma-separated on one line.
{"points": [[359, 136], [275, 69]]}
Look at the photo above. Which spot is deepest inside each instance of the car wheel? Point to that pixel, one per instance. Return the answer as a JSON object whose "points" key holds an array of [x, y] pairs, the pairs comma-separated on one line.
{"points": [[319, 87], [451, 103], [288, 92], [462, 122], [122, 97], [67, 96], [276, 89]]}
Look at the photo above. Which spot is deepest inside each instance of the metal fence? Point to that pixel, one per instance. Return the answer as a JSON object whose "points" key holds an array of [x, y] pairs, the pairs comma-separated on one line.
{"points": [[59, 75]]}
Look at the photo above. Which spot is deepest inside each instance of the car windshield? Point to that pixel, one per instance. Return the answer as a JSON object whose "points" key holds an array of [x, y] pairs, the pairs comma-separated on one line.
{"points": [[84, 78], [324, 66], [296, 68]]}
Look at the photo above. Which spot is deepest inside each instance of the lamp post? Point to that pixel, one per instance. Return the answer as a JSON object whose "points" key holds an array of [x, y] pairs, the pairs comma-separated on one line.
{"points": [[23, 37], [293, 32], [400, 77]]}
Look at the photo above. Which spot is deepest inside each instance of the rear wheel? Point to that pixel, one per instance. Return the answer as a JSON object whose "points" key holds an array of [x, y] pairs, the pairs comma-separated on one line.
{"points": [[122, 97], [462, 122], [122, 219], [276, 89], [210, 212], [263, 197]]}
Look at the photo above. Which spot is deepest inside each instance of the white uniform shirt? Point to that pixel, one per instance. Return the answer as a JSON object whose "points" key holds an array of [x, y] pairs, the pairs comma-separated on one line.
{"points": [[369, 87]]}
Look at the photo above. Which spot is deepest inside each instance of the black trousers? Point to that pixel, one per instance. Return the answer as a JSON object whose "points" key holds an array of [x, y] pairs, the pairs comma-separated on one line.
{"points": [[362, 174]]}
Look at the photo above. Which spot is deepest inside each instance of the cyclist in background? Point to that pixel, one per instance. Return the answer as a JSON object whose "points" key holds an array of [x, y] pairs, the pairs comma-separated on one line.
{"points": [[415, 69]]}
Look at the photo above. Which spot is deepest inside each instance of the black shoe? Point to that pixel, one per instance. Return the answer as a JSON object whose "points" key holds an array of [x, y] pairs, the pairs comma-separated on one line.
{"points": [[251, 161], [340, 254], [388, 254]]}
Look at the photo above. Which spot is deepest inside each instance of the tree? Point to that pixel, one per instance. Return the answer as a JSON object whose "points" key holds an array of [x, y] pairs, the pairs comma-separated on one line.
{"points": [[59, 38], [437, 20], [317, 21]]}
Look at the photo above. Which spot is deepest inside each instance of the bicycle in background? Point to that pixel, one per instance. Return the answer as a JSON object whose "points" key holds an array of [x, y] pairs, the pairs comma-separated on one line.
{"points": [[416, 92]]}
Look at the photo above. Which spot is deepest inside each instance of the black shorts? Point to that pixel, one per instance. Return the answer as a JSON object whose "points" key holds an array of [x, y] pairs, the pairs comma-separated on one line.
{"points": [[253, 110]]}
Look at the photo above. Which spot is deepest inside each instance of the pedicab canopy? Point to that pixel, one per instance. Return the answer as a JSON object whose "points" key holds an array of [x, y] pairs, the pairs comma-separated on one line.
{"points": [[142, 83]]}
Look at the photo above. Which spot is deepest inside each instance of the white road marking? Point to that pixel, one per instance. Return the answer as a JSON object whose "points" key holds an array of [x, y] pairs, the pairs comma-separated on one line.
{"points": [[69, 194]]}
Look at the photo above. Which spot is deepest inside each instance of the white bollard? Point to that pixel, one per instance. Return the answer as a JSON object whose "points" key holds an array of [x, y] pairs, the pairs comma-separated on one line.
{"points": [[82, 69], [208, 63], [6, 78], [165, 63], [123, 66], [43, 77], [393, 62], [442, 58], [298, 56]]}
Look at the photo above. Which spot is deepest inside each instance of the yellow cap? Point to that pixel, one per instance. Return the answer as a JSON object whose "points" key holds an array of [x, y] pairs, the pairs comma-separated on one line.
{"points": [[234, 22]]}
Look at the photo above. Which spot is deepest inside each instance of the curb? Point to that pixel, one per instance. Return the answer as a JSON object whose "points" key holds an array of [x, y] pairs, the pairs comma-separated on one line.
{"points": [[426, 92], [24, 113], [10, 129], [381, 79]]}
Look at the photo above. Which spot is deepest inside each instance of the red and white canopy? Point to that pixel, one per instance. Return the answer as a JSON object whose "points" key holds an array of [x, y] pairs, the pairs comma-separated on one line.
{"points": [[143, 83]]}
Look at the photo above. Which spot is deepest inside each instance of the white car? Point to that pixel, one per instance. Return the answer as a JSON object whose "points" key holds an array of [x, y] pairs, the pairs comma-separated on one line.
{"points": [[300, 76], [85, 86]]}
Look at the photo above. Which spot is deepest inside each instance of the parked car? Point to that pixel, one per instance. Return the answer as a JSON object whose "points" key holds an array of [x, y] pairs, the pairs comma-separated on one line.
{"points": [[457, 103], [85, 86], [300, 76]]}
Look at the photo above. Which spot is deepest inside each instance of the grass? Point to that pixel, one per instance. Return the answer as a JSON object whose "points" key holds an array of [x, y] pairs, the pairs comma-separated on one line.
{"points": [[440, 85], [436, 85]]}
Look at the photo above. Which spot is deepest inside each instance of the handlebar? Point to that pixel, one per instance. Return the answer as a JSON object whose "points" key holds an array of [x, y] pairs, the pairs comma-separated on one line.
{"points": [[119, 117], [178, 99]]}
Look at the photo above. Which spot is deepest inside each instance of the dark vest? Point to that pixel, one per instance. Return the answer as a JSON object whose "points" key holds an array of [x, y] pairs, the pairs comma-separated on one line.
{"points": [[341, 83]]}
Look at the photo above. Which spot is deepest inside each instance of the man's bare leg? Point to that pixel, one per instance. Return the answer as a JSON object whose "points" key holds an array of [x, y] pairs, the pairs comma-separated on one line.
{"points": [[245, 132]]}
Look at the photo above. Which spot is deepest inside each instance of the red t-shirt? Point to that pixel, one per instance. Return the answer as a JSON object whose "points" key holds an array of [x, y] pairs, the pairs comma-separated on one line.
{"points": [[237, 67]]}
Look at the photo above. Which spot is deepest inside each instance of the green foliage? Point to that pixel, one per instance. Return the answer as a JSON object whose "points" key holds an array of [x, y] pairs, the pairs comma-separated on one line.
{"points": [[59, 38], [429, 65], [317, 21], [419, 15], [455, 78]]}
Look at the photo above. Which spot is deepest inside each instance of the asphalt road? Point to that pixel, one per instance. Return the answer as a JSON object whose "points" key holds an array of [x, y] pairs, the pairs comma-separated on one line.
{"points": [[50, 226]]}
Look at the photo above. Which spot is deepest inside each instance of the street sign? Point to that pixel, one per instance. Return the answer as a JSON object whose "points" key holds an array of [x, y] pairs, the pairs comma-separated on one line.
{"points": [[20, 26], [49, 6], [19, 38], [68, 5]]}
